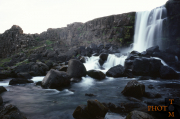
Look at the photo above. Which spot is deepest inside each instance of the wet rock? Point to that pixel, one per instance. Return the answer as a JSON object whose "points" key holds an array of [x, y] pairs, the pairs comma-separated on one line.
{"points": [[116, 71], [93, 110], [152, 95], [101, 62], [83, 59], [1, 101], [55, 79], [168, 73], [150, 86], [39, 83], [134, 89], [89, 94], [128, 73], [49, 64], [138, 115], [153, 49], [146, 66], [2, 89], [11, 112], [143, 78], [24, 75], [76, 69], [19, 81], [103, 56], [165, 56], [96, 74], [63, 68], [75, 80]]}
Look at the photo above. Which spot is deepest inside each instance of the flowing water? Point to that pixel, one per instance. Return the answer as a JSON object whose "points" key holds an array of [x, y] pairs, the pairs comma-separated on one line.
{"points": [[148, 28]]}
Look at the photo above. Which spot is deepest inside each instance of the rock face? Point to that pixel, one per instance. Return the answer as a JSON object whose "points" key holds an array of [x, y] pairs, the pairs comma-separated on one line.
{"points": [[76, 69], [138, 115], [96, 74], [116, 71], [13, 40], [115, 29], [56, 79], [11, 112], [93, 110], [134, 89]]}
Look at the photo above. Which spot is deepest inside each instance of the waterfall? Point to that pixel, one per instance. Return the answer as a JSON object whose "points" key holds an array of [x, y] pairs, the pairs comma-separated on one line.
{"points": [[148, 28]]}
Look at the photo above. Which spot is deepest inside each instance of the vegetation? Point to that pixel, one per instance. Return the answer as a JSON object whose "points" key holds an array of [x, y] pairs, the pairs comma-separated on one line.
{"points": [[23, 62], [48, 42], [2, 61]]}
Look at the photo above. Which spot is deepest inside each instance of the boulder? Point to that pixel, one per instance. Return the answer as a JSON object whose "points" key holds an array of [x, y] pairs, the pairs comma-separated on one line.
{"points": [[55, 79], [93, 110], [165, 56], [11, 112], [141, 66], [103, 56], [75, 80], [152, 95], [116, 71], [39, 83], [168, 73], [1, 100], [19, 81], [134, 89], [146, 66], [96, 74], [138, 115], [24, 75], [153, 49], [2, 89], [76, 69], [63, 68]]}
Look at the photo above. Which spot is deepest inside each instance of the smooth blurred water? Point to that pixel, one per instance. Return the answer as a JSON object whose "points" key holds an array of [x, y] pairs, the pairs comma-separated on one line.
{"points": [[148, 28]]}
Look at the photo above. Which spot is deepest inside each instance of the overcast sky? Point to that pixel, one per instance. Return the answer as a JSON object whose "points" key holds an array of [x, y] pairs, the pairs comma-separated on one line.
{"points": [[36, 16]]}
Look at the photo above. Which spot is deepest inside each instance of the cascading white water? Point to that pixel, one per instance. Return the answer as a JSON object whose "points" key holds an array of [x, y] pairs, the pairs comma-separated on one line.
{"points": [[112, 60], [148, 28]]}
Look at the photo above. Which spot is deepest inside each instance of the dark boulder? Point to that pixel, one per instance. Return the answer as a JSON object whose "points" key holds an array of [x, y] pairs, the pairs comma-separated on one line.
{"points": [[55, 79], [141, 66], [63, 68], [153, 49], [103, 57], [152, 95], [128, 73], [165, 56], [134, 89], [93, 110], [24, 75], [76, 69], [39, 83], [96, 74], [19, 81], [2, 89], [11, 112], [1, 101], [89, 94], [138, 115], [49, 64], [116, 71], [146, 66], [168, 73], [75, 80]]}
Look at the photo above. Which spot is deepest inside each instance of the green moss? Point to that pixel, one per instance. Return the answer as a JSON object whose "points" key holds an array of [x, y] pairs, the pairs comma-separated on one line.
{"points": [[48, 42], [110, 40], [23, 62], [37, 38], [2, 61]]}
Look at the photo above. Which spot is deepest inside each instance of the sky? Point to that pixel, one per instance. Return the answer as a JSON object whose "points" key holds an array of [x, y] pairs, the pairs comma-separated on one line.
{"points": [[36, 16]]}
